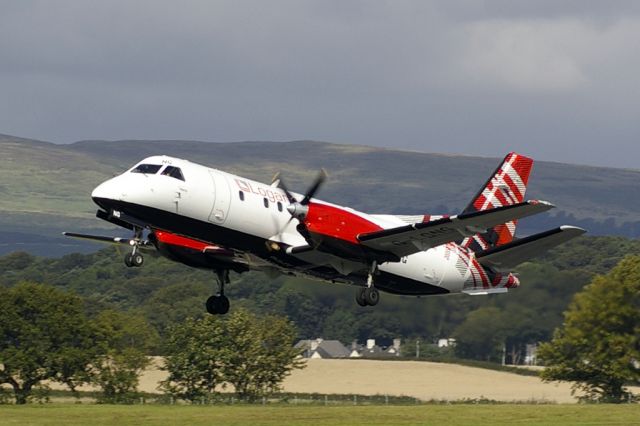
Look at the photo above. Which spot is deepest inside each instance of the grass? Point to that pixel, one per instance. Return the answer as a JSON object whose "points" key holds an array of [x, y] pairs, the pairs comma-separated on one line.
{"points": [[476, 415]]}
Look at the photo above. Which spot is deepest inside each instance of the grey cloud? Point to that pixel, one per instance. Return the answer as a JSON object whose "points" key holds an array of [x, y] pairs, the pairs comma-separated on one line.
{"points": [[557, 80]]}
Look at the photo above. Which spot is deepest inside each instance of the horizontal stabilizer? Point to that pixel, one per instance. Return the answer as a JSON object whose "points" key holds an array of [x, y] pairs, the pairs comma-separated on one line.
{"points": [[485, 291], [409, 239], [506, 257]]}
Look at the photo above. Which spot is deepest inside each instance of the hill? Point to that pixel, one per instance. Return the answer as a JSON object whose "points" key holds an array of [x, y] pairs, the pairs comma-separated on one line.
{"points": [[45, 187]]}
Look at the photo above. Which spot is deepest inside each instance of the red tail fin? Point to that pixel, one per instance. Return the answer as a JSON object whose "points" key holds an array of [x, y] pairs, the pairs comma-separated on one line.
{"points": [[506, 186]]}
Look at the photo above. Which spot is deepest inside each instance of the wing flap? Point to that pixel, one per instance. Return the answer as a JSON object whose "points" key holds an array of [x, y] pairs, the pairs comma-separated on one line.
{"points": [[318, 258], [506, 257], [409, 239]]}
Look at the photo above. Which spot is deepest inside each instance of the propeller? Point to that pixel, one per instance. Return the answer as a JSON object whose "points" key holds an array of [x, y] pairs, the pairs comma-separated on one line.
{"points": [[299, 209]]}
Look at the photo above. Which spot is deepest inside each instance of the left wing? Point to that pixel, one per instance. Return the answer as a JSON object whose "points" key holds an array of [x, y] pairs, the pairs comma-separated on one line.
{"points": [[112, 240], [409, 239], [176, 247]]}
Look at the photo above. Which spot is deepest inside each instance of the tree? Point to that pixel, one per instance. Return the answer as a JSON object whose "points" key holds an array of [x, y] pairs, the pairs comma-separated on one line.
{"points": [[481, 336], [308, 312], [194, 358], [260, 353], [252, 354], [175, 303], [126, 340], [598, 346], [44, 335], [16, 261]]}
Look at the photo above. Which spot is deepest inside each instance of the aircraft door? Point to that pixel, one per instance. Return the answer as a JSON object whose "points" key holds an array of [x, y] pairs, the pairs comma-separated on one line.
{"points": [[222, 197]]}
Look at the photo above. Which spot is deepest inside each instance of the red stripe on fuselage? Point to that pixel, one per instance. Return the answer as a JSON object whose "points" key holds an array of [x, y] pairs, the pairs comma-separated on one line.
{"points": [[176, 240], [337, 223]]}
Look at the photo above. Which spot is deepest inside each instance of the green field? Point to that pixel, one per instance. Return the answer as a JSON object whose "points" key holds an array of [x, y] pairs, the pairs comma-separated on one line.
{"points": [[476, 415]]}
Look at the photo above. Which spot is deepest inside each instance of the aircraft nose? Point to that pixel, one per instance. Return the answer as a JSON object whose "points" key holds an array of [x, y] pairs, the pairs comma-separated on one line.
{"points": [[109, 190]]}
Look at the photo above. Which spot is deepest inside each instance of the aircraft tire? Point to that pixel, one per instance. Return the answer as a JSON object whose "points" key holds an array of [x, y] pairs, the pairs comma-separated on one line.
{"points": [[137, 260], [212, 305], [223, 305], [371, 296], [128, 260], [217, 305], [360, 297]]}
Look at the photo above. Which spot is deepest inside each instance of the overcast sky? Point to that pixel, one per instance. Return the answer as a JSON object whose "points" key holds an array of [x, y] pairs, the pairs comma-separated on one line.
{"points": [[556, 80]]}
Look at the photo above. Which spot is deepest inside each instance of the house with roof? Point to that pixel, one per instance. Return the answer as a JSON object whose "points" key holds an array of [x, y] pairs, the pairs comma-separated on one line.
{"points": [[322, 349], [372, 350]]}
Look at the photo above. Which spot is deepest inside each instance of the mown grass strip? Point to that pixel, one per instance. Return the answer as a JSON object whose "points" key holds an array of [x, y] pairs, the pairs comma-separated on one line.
{"points": [[98, 415]]}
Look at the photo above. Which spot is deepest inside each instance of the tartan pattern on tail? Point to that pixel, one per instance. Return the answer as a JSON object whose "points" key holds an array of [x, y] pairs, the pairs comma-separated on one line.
{"points": [[506, 186]]}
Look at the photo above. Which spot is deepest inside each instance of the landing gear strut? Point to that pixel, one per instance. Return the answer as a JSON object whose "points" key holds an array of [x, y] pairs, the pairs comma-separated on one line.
{"points": [[218, 304], [369, 296], [135, 259]]}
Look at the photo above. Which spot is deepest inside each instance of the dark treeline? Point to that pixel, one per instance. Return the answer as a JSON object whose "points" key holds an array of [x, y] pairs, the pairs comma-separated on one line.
{"points": [[166, 293]]}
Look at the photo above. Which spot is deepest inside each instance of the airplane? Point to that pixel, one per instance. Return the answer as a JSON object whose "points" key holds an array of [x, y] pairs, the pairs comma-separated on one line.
{"points": [[207, 218]]}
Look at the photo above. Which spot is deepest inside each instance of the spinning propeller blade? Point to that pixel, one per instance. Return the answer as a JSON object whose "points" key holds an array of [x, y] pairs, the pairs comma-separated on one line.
{"points": [[283, 186], [322, 176], [299, 209]]}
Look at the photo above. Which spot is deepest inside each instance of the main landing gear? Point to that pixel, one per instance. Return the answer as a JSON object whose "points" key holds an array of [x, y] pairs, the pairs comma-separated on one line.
{"points": [[135, 258], [369, 296], [218, 304]]}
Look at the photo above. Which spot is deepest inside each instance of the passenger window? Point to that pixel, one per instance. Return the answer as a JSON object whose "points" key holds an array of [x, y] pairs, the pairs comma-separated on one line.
{"points": [[266, 202], [148, 169], [241, 195], [279, 206], [173, 172]]}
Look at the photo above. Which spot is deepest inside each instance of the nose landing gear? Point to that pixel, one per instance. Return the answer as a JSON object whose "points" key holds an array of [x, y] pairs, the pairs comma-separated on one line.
{"points": [[135, 258], [218, 304]]}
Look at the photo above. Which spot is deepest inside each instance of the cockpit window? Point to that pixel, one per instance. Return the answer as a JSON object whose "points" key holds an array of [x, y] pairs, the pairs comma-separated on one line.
{"points": [[174, 172], [149, 169]]}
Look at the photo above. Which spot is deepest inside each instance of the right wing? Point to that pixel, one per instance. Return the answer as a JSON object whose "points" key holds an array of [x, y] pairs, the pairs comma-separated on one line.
{"points": [[506, 257], [409, 239]]}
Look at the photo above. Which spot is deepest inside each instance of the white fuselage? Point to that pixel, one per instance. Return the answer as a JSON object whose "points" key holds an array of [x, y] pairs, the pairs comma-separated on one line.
{"points": [[245, 216]]}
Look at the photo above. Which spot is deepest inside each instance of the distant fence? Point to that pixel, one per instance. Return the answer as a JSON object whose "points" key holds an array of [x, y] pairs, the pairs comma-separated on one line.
{"points": [[315, 399]]}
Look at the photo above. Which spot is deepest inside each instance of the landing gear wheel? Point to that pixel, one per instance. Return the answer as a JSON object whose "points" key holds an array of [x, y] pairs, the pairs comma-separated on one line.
{"points": [[223, 305], [360, 297], [134, 260], [212, 304], [371, 296], [217, 305], [367, 296], [137, 260]]}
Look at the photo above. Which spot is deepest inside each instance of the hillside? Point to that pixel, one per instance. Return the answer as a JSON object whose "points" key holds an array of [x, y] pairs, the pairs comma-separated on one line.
{"points": [[45, 187]]}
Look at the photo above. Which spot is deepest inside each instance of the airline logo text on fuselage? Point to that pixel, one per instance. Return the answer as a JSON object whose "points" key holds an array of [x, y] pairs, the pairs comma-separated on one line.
{"points": [[267, 193]]}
